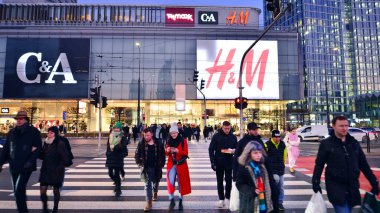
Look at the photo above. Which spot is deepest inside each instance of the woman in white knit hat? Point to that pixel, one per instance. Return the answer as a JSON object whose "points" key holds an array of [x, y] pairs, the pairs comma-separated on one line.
{"points": [[177, 152]]}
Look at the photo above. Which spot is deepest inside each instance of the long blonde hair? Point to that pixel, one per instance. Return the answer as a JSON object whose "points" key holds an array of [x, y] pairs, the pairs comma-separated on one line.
{"points": [[245, 156]]}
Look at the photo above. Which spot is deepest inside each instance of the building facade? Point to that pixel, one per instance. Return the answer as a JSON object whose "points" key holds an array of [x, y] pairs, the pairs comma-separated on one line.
{"points": [[340, 42], [52, 54]]}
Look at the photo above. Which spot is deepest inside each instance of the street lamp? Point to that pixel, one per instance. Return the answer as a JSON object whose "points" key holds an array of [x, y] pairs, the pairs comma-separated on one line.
{"points": [[138, 89]]}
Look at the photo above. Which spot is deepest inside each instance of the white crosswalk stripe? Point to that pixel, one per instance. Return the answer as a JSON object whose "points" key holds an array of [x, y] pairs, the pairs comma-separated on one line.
{"points": [[89, 180]]}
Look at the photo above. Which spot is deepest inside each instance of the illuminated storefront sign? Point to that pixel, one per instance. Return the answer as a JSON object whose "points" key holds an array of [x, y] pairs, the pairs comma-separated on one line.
{"points": [[46, 68], [5, 110], [205, 17], [218, 63], [180, 17], [238, 17]]}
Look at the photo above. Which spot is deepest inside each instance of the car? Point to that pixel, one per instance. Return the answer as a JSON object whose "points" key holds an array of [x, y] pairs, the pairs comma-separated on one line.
{"points": [[312, 132], [360, 134]]}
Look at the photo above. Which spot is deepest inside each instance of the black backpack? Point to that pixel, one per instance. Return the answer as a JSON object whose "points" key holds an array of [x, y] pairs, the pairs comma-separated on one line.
{"points": [[71, 156]]}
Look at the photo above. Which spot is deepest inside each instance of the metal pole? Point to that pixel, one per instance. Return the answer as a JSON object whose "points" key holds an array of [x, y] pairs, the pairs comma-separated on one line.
{"points": [[204, 102], [138, 93], [100, 119], [327, 102], [242, 62]]}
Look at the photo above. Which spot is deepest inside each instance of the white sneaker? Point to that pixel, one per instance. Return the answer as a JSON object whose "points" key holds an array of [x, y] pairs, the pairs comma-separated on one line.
{"points": [[227, 203], [220, 204]]}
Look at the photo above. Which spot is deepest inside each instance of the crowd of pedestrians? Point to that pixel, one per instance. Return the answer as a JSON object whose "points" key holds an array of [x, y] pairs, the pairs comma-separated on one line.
{"points": [[255, 167]]}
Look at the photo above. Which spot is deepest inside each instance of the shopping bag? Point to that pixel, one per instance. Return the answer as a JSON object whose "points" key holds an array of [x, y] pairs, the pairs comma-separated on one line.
{"points": [[234, 201], [316, 204], [370, 203]]}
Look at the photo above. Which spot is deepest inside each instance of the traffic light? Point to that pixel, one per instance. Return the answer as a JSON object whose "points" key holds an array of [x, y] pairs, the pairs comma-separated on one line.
{"points": [[104, 102], [195, 77], [203, 116], [238, 101], [94, 96], [202, 84], [274, 6]]}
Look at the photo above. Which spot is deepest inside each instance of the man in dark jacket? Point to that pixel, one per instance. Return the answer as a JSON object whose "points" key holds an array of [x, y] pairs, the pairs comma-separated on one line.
{"points": [[344, 159], [150, 157], [221, 150], [276, 158], [21, 150], [253, 135]]}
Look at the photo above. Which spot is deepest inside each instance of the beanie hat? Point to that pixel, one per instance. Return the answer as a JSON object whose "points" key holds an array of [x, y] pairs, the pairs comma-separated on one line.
{"points": [[173, 128], [118, 125]]}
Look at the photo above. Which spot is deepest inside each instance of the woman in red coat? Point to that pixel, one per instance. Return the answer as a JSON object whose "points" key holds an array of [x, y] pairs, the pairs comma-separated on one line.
{"points": [[177, 152]]}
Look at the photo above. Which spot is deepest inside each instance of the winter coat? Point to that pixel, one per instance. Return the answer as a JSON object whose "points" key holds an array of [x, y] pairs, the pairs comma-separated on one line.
{"points": [[164, 132], [182, 170], [18, 149], [115, 158], [246, 183], [218, 142], [344, 162], [141, 159], [239, 149], [54, 158]]}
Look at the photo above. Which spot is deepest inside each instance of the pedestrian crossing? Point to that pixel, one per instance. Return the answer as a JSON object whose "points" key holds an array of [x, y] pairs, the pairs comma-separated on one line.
{"points": [[88, 187]]}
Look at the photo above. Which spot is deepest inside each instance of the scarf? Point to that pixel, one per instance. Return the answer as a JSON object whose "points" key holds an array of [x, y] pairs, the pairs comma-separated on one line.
{"points": [[175, 142], [49, 141], [260, 186], [293, 137], [114, 139]]}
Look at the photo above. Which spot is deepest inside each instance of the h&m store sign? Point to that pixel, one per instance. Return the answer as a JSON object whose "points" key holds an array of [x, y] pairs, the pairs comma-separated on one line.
{"points": [[46, 68]]}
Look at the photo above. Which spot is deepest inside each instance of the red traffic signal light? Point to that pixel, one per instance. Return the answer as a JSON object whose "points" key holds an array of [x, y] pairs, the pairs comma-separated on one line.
{"points": [[244, 102]]}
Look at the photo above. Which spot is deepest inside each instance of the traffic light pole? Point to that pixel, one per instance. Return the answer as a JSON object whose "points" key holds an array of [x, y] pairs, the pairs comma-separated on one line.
{"points": [[204, 104], [242, 62]]}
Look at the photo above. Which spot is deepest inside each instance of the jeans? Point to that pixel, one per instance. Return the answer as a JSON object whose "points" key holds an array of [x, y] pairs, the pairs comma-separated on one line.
{"points": [[149, 181], [19, 182], [280, 186], [172, 177], [345, 208], [220, 172], [114, 173]]}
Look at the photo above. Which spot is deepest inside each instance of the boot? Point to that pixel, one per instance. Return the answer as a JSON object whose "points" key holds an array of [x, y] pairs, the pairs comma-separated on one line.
{"points": [[180, 206], [44, 200], [148, 206], [154, 196], [117, 189], [172, 204]]}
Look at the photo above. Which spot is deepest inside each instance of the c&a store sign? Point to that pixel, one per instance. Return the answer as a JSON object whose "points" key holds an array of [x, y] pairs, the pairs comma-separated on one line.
{"points": [[46, 68]]}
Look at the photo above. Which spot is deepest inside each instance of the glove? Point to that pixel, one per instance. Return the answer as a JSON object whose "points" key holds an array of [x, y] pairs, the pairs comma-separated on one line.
{"points": [[317, 188], [213, 167], [375, 187]]}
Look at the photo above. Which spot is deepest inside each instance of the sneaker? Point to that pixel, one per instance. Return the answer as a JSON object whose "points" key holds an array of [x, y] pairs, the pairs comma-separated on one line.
{"points": [[220, 204], [281, 207], [122, 178], [227, 203]]}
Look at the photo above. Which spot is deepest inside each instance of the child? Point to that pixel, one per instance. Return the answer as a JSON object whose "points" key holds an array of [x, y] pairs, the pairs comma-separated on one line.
{"points": [[253, 180], [292, 142]]}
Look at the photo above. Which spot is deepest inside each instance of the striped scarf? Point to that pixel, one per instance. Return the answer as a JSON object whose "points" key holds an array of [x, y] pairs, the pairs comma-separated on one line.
{"points": [[260, 186]]}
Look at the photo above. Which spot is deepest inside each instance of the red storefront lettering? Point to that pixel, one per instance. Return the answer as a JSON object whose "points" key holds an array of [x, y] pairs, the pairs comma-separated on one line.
{"points": [[262, 62], [223, 69], [248, 64]]}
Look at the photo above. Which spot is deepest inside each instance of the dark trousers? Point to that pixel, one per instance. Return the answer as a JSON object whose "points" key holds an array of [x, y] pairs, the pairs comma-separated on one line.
{"points": [[19, 182], [114, 173], [220, 173]]}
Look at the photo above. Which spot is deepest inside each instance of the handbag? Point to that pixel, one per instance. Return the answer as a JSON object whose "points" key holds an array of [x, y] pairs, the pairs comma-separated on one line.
{"points": [[182, 160], [234, 201], [370, 203]]}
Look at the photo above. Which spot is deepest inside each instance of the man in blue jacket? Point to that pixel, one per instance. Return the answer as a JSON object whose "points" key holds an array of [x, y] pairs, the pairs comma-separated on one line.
{"points": [[21, 150]]}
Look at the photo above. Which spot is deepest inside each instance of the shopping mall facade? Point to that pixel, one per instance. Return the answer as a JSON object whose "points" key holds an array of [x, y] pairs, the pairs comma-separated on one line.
{"points": [[52, 54]]}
